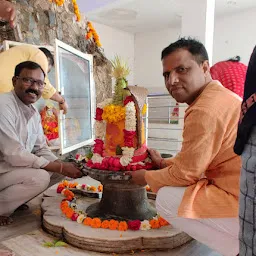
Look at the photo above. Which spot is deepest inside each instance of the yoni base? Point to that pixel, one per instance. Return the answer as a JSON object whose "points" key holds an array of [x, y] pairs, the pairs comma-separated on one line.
{"points": [[122, 202], [103, 240]]}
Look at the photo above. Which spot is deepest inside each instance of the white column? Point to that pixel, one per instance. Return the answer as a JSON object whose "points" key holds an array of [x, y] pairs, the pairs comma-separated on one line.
{"points": [[198, 23]]}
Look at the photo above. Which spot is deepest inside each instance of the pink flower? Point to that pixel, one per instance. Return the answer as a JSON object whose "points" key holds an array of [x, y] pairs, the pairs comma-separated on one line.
{"points": [[74, 216], [134, 224], [99, 113], [84, 186]]}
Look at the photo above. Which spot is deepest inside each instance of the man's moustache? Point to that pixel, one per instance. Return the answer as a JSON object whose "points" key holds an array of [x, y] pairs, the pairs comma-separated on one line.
{"points": [[32, 91]]}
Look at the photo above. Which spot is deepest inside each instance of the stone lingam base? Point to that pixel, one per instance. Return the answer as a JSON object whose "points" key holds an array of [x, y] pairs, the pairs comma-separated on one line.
{"points": [[103, 240]]}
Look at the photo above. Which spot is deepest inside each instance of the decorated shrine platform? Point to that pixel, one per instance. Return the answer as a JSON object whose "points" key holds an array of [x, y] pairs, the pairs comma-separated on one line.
{"points": [[98, 239]]}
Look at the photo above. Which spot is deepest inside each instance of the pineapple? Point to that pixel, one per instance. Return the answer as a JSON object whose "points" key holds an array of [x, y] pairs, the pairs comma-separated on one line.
{"points": [[120, 72]]}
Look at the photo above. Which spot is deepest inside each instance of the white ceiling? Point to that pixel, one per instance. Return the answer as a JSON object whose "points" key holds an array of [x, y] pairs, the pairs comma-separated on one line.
{"points": [[147, 15]]}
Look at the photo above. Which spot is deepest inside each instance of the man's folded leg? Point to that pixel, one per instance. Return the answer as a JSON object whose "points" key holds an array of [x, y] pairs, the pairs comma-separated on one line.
{"points": [[220, 234], [20, 185]]}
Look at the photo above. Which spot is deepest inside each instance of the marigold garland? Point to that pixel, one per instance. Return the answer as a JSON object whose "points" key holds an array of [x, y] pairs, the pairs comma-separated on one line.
{"points": [[75, 6], [96, 223], [64, 186], [92, 34], [69, 209], [105, 224]]}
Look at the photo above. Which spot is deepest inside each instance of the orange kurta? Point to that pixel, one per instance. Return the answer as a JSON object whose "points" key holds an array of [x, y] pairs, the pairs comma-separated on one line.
{"points": [[206, 164]]}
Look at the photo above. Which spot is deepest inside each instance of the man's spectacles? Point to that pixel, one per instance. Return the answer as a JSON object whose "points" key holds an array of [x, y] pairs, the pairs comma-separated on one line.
{"points": [[29, 82]]}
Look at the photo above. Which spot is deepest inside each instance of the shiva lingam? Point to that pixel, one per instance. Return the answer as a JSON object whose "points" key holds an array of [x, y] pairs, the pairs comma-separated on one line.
{"points": [[121, 199]]}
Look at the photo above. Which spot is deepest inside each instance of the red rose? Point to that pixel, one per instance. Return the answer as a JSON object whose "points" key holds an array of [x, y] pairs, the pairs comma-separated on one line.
{"points": [[128, 99], [60, 188], [98, 147], [133, 168], [128, 138], [134, 224], [74, 216], [89, 163], [99, 113]]}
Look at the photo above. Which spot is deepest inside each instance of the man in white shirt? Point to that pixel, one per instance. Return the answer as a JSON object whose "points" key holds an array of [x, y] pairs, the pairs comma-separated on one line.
{"points": [[25, 159]]}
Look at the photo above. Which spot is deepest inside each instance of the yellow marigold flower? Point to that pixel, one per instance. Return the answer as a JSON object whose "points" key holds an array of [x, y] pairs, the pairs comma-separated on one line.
{"points": [[144, 109], [113, 113]]}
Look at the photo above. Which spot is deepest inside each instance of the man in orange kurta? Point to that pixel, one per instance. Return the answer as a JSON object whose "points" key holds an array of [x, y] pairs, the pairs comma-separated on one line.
{"points": [[197, 190]]}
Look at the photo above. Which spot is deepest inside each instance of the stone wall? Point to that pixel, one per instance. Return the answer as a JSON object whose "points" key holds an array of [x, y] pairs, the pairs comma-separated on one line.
{"points": [[39, 22]]}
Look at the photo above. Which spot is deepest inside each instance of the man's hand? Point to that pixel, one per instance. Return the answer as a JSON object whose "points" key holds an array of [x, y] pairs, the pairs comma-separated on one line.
{"points": [[71, 170], [156, 158], [138, 177], [62, 102], [64, 106], [7, 12]]}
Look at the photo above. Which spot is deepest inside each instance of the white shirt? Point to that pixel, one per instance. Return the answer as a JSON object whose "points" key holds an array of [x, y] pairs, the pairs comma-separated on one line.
{"points": [[22, 141]]}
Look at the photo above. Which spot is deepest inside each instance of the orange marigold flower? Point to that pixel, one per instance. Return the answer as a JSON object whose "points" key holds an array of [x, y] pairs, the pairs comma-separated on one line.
{"points": [[148, 188], [65, 210], [98, 44], [73, 185], [96, 37], [96, 223], [87, 221], [122, 226], [65, 183], [89, 25], [64, 204], [113, 224], [89, 35], [93, 189], [68, 193], [163, 222], [154, 224], [100, 188], [105, 224], [69, 213]]}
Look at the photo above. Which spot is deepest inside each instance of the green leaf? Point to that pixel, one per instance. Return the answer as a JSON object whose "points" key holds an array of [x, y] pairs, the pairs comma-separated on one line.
{"points": [[89, 155], [119, 150], [61, 244], [48, 244]]}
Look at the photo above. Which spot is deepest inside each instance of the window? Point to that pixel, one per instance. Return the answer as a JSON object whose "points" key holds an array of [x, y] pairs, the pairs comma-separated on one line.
{"points": [[72, 76], [74, 80]]}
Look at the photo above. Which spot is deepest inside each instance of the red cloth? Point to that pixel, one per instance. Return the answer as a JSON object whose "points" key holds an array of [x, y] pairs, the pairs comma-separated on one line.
{"points": [[231, 75]]}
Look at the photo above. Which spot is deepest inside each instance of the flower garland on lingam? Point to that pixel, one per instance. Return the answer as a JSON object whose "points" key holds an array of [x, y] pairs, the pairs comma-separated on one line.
{"points": [[75, 6], [121, 107], [70, 209]]}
